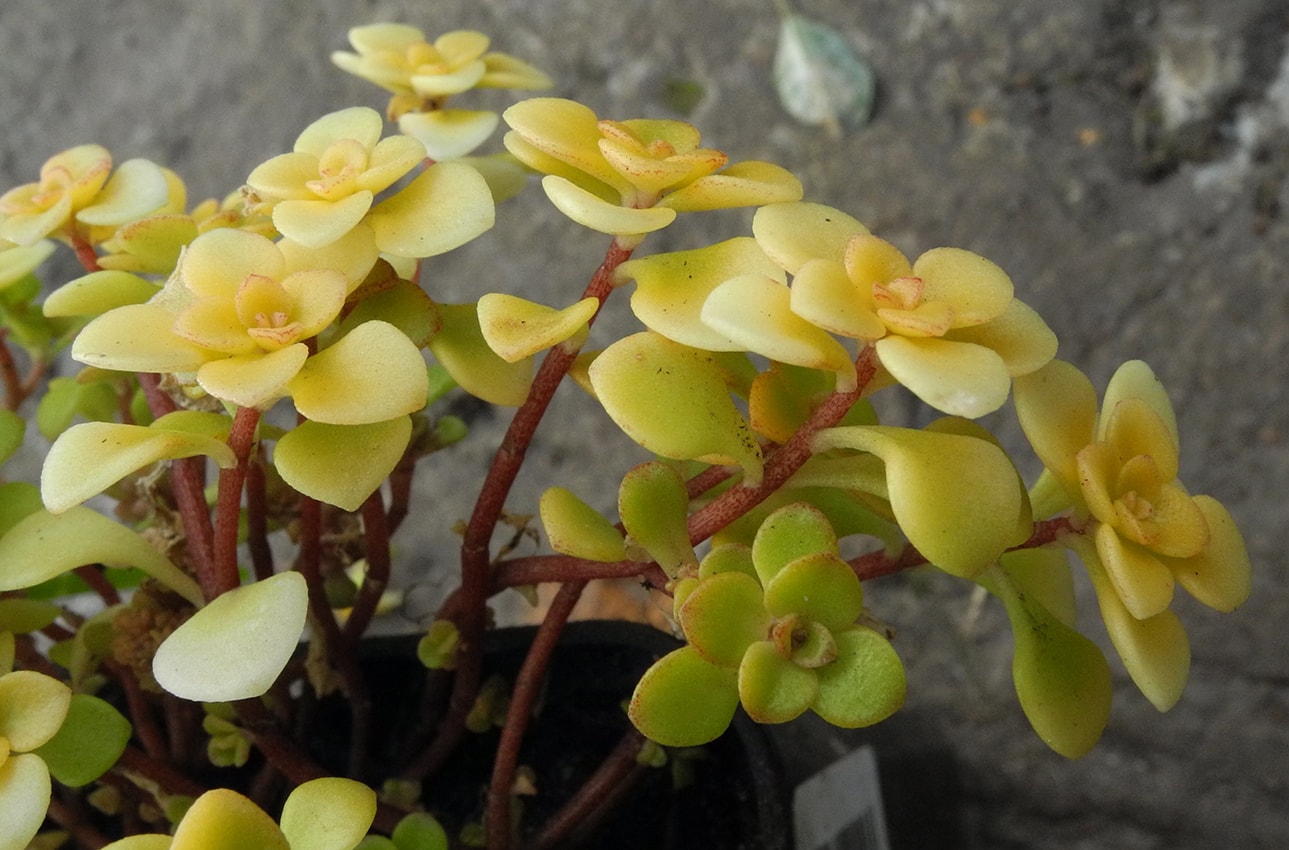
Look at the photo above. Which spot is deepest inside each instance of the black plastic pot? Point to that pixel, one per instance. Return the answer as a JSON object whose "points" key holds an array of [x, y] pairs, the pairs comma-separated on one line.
{"points": [[736, 801]]}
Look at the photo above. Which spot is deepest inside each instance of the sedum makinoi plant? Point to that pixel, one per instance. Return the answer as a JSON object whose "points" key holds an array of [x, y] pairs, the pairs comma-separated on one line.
{"points": [[254, 379]]}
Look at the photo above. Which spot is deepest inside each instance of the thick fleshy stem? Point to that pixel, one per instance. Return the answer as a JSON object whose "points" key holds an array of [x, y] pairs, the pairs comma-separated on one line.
{"points": [[527, 688], [228, 503], [476, 562], [785, 460]]}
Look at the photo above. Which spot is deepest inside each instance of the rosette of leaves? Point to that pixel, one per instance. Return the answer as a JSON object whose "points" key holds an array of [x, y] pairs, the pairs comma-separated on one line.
{"points": [[771, 626]]}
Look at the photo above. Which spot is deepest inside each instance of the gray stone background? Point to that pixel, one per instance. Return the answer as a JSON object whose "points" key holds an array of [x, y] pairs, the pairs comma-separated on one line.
{"points": [[1124, 160]]}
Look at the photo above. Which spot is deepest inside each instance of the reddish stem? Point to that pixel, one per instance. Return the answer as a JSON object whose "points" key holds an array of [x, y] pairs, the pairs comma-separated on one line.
{"points": [[539, 569], [142, 719], [228, 504], [13, 386], [133, 760], [528, 686], [92, 575], [475, 547], [188, 482], [880, 564], [615, 776], [784, 461], [75, 825], [376, 537], [85, 253], [340, 650], [257, 519]]}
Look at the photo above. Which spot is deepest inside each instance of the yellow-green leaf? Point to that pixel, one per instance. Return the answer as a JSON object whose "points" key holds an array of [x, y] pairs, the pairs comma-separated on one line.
{"points": [[341, 464], [672, 400], [575, 528]]}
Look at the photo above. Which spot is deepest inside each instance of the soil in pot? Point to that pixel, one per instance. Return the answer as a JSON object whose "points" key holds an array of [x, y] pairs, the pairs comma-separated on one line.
{"points": [[735, 801]]}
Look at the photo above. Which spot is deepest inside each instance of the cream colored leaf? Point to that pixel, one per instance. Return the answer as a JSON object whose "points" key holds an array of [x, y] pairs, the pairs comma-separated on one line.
{"points": [[237, 645]]}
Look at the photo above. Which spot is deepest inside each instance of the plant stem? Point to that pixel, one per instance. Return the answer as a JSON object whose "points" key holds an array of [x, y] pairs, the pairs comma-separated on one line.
{"points": [[257, 527], [187, 481], [539, 569], [290, 760], [339, 650], [70, 820], [528, 686], [614, 777], [13, 391], [160, 772], [146, 728], [879, 564], [476, 565], [92, 575], [376, 537], [785, 460], [228, 504], [84, 251]]}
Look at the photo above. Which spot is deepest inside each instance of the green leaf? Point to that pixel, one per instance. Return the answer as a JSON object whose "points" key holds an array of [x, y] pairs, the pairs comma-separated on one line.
{"points": [[18, 499], [1061, 677], [236, 646], [405, 306], [819, 78], [820, 587], [575, 528], [460, 348], [727, 558], [772, 688], [19, 615], [664, 706], [420, 831], [44, 545], [791, 532], [341, 464], [671, 287], [12, 428], [98, 292], [328, 814], [653, 504], [672, 400], [866, 683], [66, 398], [438, 649], [90, 741], [723, 616]]}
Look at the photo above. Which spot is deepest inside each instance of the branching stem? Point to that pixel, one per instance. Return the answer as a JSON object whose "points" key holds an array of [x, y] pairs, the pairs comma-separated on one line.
{"points": [[528, 687]]}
